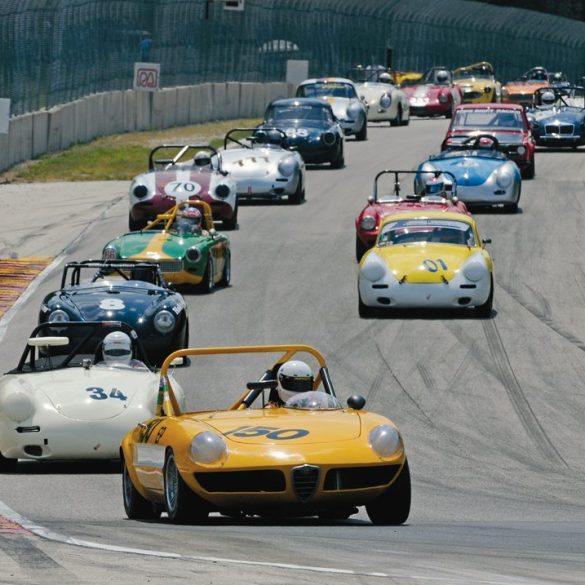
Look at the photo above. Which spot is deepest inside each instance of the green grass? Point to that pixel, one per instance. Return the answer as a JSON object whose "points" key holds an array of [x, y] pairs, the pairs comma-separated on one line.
{"points": [[118, 157]]}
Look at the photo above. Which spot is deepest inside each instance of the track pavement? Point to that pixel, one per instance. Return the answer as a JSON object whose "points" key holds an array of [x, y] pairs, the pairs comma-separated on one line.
{"points": [[491, 409]]}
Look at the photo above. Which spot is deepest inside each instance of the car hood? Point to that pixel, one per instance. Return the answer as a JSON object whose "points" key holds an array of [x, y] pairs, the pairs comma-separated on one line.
{"points": [[409, 260], [469, 171], [154, 245], [526, 87], [161, 182], [258, 162], [550, 117], [98, 393], [430, 91], [339, 105], [302, 427]]}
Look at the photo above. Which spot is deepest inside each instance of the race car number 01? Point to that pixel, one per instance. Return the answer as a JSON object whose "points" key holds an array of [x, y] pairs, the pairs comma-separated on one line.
{"points": [[433, 266], [268, 432]]}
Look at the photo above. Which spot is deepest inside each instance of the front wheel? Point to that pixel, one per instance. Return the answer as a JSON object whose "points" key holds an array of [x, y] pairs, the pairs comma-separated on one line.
{"points": [[339, 161], [7, 464], [232, 222], [207, 282], [530, 170], [364, 310], [299, 195], [360, 249], [363, 133], [226, 277], [485, 311], [137, 507], [392, 507], [398, 120]]}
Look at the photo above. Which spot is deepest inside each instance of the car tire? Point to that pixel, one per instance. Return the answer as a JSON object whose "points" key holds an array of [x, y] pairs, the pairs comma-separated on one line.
{"points": [[398, 120], [226, 277], [182, 505], [297, 197], [530, 170], [485, 311], [137, 507], [363, 133], [207, 283], [511, 207], [136, 224], [337, 514], [7, 464], [232, 222], [365, 311], [392, 507], [449, 113], [407, 121], [339, 161], [360, 249]]}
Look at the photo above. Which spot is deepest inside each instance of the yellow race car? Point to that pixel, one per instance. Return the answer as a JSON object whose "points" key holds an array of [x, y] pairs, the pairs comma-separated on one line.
{"points": [[285, 447], [478, 83], [432, 259]]}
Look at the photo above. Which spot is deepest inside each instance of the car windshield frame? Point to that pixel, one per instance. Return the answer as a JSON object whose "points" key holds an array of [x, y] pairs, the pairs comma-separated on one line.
{"points": [[324, 115], [463, 115], [327, 89]]}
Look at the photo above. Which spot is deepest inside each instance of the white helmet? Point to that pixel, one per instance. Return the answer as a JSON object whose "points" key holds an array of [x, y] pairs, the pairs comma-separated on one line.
{"points": [[294, 376], [202, 159], [547, 99], [385, 78], [117, 348]]}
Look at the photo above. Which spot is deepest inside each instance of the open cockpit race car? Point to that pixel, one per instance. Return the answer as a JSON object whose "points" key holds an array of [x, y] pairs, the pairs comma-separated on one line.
{"points": [[122, 290], [286, 447], [384, 201], [522, 89], [183, 242], [78, 388], [478, 83], [262, 165], [480, 164], [557, 116], [179, 172]]}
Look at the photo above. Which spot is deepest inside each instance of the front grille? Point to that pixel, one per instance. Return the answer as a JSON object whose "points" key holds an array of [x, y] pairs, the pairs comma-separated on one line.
{"points": [[566, 129], [355, 478], [267, 480], [171, 266], [305, 480]]}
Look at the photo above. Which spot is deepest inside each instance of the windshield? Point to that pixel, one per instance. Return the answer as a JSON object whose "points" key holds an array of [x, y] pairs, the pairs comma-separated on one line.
{"points": [[488, 118], [438, 77], [313, 400], [310, 113], [431, 231], [328, 88]]}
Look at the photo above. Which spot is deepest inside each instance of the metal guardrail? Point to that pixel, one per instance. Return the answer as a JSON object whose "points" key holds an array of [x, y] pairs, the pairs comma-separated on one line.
{"points": [[55, 51]]}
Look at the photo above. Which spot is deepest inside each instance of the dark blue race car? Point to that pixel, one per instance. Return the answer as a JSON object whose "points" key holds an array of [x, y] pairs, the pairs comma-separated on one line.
{"points": [[311, 128], [121, 290]]}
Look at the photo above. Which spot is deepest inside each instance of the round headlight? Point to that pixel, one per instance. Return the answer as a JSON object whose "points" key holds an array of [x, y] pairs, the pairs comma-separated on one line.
{"points": [[475, 269], [368, 222], [164, 321], [384, 440], [521, 150], [504, 177], [385, 101], [222, 191], [373, 269], [443, 98], [58, 316], [193, 254], [109, 253], [140, 191], [17, 406], [208, 447], [287, 166], [328, 138]]}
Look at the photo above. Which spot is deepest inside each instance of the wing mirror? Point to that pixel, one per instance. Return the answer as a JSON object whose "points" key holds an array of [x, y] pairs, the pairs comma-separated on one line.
{"points": [[357, 402], [47, 341], [486, 241], [213, 233], [371, 199]]}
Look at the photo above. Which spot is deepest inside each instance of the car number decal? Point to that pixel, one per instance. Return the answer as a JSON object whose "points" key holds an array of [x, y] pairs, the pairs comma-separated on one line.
{"points": [[100, 394], [186, 188], [112, 304], [269, 432], [433, 266], [296, 132]]}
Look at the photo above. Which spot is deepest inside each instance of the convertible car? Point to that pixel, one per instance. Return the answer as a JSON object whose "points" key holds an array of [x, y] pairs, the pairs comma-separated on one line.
{"points": [[484, 174], [262, 164], [311, 129], [383, 202], [478, 83], [122, 290], [426, 260], [557, 118], [522, 89], [341, 94], [185, 256], [309, 455], [435, 94], [179, 172], [62, 401], [506, 122]]}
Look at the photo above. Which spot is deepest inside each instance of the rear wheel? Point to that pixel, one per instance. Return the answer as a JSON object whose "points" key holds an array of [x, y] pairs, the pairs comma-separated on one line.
{"points": [[398, 120], [7, 464], [137, 507], [392, 507], [232, 223], [227, 271]]}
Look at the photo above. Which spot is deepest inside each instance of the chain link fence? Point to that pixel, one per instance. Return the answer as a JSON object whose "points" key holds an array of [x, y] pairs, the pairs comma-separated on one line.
{"points": [[54, 51]]}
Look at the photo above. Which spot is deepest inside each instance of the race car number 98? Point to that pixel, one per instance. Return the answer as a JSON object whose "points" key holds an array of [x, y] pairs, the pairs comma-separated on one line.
{"points": [[177, 188], [269, 432]]}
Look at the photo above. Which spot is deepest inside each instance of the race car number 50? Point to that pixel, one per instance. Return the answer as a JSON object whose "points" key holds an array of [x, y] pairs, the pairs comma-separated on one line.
{"points": [[268, 432]]}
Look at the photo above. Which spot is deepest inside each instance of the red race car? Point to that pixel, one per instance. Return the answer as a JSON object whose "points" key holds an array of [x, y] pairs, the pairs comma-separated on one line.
{"points": [[435, 198], [507, 122], [435, 94], [180, 172]]}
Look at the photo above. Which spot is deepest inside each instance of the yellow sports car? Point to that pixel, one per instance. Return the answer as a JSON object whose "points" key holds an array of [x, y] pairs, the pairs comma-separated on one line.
{"points": [[426, 260], [478, 83], [285, 447]]}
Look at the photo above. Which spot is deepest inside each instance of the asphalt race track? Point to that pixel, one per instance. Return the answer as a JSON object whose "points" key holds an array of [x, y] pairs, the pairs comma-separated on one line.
{"points": [[492, 410]]}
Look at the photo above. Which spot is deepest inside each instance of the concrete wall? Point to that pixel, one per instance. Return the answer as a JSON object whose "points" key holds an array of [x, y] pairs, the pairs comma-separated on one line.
{"points": [[116, 112]]}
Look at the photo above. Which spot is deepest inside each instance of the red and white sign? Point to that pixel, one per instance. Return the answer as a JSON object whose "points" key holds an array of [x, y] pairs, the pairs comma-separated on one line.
{"points": [[146, 76]]}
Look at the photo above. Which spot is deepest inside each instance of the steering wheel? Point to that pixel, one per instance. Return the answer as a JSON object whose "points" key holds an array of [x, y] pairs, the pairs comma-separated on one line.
{"points": [[475, 142]]}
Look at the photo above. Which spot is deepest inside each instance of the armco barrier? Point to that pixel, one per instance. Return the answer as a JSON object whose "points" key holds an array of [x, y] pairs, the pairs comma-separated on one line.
{"points": [[83, 120]]}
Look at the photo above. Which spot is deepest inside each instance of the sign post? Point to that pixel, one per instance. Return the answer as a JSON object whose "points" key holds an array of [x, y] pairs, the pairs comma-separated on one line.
{"points": [[4, 115]]}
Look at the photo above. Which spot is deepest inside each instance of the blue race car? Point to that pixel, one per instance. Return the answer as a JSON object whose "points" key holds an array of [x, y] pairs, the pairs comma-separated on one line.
{"points": [[122, 290], [311, 128], [485, 176]]}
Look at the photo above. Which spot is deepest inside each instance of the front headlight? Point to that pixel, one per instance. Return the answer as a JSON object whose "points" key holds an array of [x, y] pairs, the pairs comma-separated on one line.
{"points": [[140, 191], [287, 166], [368, 222], [328, 138], [208, 447], [521, 150], [17, 406], [504, 177], [109, 253], [164, 321], [443, 98], [384, 440], [373, 269], [193, 254], [59, 316], [475, 269]]}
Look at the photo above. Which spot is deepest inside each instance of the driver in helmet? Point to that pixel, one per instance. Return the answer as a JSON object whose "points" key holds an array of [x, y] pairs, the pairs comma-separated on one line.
{"points": [[189, 222], [435, 187], [547, 100], [293, 377], [202, 160], [442, 77], [117, 351], [385, 78]]}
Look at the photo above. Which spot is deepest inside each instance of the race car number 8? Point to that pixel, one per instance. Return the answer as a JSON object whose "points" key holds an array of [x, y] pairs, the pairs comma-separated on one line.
{"points": [[268, 432], [112, 304]]}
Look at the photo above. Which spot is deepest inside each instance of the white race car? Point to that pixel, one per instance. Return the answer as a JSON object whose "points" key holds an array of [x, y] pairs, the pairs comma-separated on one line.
{"points": [[63, 402]]}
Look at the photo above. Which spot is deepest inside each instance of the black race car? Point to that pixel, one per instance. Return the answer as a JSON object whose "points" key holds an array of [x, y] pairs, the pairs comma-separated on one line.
{"points": [[122, 290], [311, 128]]}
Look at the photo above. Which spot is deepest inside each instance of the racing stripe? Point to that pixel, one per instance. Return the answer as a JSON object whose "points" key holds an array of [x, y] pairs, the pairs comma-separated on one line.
{"points": [[154, 249]]}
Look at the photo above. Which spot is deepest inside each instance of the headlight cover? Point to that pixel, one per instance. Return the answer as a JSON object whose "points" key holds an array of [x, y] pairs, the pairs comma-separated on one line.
{"points": [[208, 447], [287, 166], [59, 316], [140, 191], [385, 101], [443, 98], [373, 268], [384, 440], [164, 321], [504, 176], [109, 253], [475, 269], [521, 150], [193, 254], [354, 111], [368, 222], [17, 406]]}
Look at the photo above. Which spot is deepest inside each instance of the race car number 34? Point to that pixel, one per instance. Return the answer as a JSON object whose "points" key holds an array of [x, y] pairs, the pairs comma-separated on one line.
{"points": [[268, 432]]}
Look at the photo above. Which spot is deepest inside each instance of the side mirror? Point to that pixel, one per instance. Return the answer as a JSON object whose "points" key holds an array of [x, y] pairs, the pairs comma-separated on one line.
{"points": [[213, 233], [486, 241], [356, 402], [371, 199]]}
